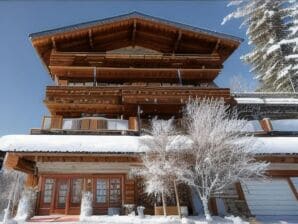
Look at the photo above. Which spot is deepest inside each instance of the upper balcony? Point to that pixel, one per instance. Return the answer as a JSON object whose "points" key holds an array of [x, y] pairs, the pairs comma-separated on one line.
{"points": [[126, 100]]}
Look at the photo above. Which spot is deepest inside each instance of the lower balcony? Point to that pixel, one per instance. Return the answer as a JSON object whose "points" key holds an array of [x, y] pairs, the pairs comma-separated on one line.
{"points": [[87, 126]]}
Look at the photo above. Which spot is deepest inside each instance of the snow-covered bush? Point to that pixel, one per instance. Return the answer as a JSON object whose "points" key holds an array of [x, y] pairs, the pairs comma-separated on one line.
{"points": [[160, 163], [140, 210], [219, 154], [86, 205], [26, 204]]}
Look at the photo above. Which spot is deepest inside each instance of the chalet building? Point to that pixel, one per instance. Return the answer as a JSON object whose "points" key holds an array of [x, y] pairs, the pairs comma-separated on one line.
{"points": [[109, 78]]}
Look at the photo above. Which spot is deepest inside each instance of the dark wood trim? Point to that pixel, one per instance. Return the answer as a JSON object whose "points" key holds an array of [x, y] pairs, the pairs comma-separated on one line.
{"points": [[239, 190], [282, 173], [293, 188]]}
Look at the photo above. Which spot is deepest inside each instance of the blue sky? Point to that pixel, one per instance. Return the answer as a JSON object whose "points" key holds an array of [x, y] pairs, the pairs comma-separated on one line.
{"points": [[23, 78]]}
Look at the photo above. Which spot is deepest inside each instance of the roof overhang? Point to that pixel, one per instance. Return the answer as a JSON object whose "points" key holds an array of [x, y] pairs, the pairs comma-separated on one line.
{"points": [[133, 29]]}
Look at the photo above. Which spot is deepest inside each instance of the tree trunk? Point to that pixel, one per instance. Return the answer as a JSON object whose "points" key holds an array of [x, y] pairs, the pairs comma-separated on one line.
{"points": [[206, 209], [177, 198], [164, 206]]}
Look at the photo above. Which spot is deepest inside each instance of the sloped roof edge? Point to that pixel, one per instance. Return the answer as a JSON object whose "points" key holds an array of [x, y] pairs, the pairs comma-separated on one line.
{"points": [[133, 14]]}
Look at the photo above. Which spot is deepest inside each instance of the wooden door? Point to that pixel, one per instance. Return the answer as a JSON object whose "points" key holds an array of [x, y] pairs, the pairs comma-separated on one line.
{"points": [[107, 193]]}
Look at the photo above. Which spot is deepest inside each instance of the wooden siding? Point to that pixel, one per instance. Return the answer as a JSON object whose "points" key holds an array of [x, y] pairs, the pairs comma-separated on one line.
{"points": [[270, 198]]}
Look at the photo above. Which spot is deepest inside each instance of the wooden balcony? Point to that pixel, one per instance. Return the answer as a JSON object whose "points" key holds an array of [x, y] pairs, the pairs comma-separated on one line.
{"points": [[87, 126], [124, 100]]}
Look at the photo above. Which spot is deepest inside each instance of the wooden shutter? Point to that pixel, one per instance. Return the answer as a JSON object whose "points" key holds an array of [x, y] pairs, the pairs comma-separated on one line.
{"points": [[133, 123], [93, 124], [85, 124], [102, 124], [56, 122]]}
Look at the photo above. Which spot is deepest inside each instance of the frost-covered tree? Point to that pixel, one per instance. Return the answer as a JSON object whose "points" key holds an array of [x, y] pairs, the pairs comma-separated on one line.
{"points": [[291, 41], [266, 28], [160, 162], [11, 185], [240, 85], [219, 155]]}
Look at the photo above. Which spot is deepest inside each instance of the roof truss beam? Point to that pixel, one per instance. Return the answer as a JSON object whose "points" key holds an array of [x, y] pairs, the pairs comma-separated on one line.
{"points": [[177, 42]]}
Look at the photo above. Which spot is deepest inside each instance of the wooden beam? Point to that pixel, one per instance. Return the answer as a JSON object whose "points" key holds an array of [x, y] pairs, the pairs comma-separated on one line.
{"points": [[90, 39], [216, 46], [177, 42], [31, 180], [16, 162], [54, 43], [134, 30], [293, 188]]}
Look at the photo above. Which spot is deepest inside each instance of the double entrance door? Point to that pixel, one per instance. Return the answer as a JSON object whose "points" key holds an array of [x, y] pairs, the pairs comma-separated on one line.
{"points": [[62, 195]]}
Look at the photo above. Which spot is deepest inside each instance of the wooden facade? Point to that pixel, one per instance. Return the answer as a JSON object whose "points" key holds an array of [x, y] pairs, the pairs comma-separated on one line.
{"points": [[111, 76]]}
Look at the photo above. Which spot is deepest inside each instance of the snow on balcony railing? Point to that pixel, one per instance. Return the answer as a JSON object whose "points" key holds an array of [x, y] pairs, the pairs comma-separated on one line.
{"points": [[253, 126], [285, 125], [85, 123]]}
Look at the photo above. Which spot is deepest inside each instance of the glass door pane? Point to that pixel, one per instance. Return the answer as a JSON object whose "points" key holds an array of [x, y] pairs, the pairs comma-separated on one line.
{"points": [[62, 193], [115, 190], [101, 190], [76, 190], [48, 189]]}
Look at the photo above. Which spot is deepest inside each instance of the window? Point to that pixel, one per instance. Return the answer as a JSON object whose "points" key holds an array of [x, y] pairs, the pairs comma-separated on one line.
{"points": [[76, 190], [101, 190], [48, 189]]}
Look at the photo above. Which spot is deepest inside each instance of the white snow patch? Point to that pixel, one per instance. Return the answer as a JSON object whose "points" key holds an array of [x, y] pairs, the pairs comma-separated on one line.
{"points": [[285, 125], [256, 100], [279, 145], [161, 220], [70, 143], [253, 126]]}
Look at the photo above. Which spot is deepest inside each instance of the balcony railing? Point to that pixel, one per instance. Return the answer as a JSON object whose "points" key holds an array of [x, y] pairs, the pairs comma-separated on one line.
{"points": [[87, 125]]}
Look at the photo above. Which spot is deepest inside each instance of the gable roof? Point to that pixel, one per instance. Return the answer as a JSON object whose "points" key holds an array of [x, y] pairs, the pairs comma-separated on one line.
{"points": [[133, 29], [131, 15]]}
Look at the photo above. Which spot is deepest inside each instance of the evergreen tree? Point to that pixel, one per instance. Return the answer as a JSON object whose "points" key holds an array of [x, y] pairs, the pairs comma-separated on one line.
{"points": [[266, 29], [291, 42]]}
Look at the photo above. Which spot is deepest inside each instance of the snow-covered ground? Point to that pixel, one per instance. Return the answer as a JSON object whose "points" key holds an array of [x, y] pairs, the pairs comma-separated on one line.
{"points": [[136, 220]]}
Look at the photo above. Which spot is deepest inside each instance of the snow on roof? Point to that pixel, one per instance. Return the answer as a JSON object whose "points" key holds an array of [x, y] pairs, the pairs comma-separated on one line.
{"points": [[70, 143], [117, 144], [277, 145], [285, 125], [256, 100]]}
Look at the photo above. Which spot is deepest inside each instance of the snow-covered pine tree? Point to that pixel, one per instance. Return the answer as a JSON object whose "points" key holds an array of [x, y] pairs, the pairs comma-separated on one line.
{"points": [[291, 42], [266, 28]]}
